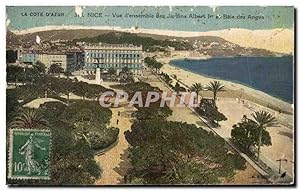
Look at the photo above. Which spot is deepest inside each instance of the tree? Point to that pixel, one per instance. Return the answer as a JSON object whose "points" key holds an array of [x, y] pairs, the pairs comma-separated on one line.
{"points": [[29, 118], [12, 103], [73, 163], [40, 67], [167, 78], [157, 65], [89, 122], [11, 56], [52, 110], [68, 73], [125, 70], [154, 111], [197, 87], [112, 71], [15, 74], [55, 69], [142, 87], [175, 78], [81, 89], [263, 120], [245, 134], [66, 87], [86, 111], [167, 152], [215, 87], [209, 110], [149, 61], [177, 87]]}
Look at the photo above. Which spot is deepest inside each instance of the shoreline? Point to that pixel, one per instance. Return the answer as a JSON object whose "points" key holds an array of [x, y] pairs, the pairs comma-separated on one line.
{"points": [[232, 81], [236, 89]]}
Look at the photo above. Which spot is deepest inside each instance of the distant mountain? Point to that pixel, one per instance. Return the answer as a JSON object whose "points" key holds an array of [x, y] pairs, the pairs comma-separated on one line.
{"points": [[210, 45]]}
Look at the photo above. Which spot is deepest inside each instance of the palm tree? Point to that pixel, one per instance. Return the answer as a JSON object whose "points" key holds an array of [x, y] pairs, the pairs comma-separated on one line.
{"points": [[215, 87], [28, 118], [197, 87], [157, 65], [263, 120], [176, 78]]}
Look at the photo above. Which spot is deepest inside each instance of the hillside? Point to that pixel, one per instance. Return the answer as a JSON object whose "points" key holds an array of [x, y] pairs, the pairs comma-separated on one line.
{"points": [[210, 45]]}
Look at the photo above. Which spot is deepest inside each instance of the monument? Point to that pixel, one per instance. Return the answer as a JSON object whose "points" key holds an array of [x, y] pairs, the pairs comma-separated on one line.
{"points": [[98, 76]]}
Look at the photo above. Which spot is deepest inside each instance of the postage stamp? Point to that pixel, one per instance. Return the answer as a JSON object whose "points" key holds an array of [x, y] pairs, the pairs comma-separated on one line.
{"points": [[29, 154]]}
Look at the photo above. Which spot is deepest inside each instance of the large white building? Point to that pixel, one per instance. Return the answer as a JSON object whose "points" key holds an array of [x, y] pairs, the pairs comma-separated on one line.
{"points": [[53, 58], [115, 56]]}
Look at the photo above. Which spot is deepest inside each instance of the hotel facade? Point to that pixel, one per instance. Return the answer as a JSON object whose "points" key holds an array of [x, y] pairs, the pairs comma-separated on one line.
{"points": [[53, 58], [114, 56]]}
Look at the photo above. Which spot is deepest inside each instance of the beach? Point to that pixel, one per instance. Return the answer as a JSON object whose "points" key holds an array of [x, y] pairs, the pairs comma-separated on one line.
{"points": [[234, 90], [239, 100]]}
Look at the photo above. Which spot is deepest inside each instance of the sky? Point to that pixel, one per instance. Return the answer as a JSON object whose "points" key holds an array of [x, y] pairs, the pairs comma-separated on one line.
{"points": [[198, 19]]}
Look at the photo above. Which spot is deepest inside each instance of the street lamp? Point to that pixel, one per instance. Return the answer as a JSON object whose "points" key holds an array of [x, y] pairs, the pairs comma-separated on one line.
{"points": [[280, 160]]}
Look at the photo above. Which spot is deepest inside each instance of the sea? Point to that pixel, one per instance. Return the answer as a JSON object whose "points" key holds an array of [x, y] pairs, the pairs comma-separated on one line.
{"points": [[272, 75]]}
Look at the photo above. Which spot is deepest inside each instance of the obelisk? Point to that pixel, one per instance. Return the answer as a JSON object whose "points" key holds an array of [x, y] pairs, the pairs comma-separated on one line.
{"points": [[98, 76]]}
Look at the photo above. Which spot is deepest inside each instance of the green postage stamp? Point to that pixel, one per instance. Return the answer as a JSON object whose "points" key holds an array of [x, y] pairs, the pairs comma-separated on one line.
{"points": [[29, 154]]}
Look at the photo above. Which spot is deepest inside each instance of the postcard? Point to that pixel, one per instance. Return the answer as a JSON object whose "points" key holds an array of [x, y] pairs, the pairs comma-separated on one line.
{"points": [[150, 95]]}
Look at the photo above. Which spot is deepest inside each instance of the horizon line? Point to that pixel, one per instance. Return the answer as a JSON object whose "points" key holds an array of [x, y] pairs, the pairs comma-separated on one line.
{"points": [[132, 30]]}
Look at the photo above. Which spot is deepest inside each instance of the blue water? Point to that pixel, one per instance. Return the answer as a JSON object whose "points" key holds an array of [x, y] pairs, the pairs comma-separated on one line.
{"points": [[272, 75]]}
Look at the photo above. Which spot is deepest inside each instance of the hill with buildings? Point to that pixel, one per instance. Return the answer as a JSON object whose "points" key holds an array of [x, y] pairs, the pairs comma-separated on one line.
{"points": [[202, 45]]}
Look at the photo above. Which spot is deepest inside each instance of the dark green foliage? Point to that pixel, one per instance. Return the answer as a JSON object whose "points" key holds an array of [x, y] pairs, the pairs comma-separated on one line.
{"points": [[197, 87], [151, 62], [12, 104], [215, 87], [179, 88], [53, 110], [55, 69], [249, 133], [142, 87], [72, 156], [72, 161], [112, 71], [209, 110], [89, 120], [245, 134], [101, 137], [40, 67], [55, 87], [263, 119], [16, 74], [86, 90], [28, 118], [166, 78], [165, 152], [154, 111], [86, 111], [11, 56]]}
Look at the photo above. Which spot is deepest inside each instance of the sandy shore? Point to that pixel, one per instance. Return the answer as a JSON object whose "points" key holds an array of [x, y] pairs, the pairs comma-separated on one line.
{"points": [[233, 108], [234, 90]]}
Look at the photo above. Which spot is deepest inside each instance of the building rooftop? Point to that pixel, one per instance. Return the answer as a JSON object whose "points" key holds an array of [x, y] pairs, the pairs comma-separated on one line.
{"points": [[112, 47]]}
